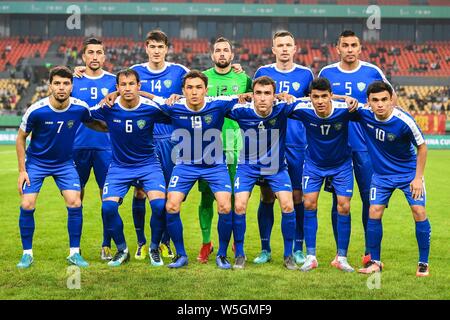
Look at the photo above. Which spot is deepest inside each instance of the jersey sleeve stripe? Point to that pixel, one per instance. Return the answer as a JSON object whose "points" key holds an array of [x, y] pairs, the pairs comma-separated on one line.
{"points": [[413, 127]]}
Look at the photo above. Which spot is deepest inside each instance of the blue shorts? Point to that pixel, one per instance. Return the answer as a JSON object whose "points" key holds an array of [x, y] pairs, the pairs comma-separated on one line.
{"points": [[65, 176], [295, 158], [184, 177], [86, 159], [120, 178], [382, 188], [163, 149], [248, 175], [341, 178], [362, 166]]}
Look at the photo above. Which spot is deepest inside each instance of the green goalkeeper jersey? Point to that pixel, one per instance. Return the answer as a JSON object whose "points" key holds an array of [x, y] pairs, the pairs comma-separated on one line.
{"points": [[227, 84]]}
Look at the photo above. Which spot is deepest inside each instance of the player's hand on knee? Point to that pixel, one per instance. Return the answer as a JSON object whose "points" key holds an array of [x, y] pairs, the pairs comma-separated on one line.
{"points": [[23, 177], [79, 71], [416, 188]]}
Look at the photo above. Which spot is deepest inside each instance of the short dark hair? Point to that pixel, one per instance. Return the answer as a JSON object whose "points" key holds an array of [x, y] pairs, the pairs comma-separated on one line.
{"points": [[264, 81], [127, 72], [158, 36], [321, 84], [221, 39], [61, 71], [379, 86], [345, 34], [283, 33], [91, 40], [195, 74]]}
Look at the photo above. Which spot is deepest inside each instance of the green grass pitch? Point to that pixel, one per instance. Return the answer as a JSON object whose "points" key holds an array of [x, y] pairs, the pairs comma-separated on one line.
{"points": [[47, 278]]}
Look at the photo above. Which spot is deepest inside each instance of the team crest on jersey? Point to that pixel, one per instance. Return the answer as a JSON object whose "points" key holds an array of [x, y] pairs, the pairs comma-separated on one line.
{"points": [[273, 121], [338, 126], [235, 88], [104, 91], [296, 86], [361, 86], [141, 124], [167, 83], [391, 137], [70, 124], [208, 119]]}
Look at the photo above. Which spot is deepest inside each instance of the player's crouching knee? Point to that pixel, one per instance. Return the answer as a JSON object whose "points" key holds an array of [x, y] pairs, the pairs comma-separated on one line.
{"points": [[28, 205], [419, 213], [224, 207], [287, 207], [240, 208], [310, 204], [344, 208], [74, 203], [172, 207]]}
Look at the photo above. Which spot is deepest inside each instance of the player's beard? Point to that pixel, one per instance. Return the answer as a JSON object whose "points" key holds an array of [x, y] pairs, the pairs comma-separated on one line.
{"points": [[59, 99], [222, 65], [94, 68]]}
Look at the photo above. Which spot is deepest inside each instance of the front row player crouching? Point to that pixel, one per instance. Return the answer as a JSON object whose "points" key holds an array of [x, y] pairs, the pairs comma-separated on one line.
{"points": [[130, 122], [391, 134], [53, 121]]}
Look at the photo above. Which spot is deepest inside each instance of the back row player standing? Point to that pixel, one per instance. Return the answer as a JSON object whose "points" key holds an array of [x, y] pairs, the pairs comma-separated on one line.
{"points": [[295, 80], [222, 80], [92, 149]]}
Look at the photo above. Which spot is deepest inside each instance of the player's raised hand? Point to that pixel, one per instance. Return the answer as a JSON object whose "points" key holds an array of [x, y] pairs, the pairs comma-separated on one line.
{"points": [[245, 97], [237, 68], [23, 177], [352, 103], [172, 99], [416, 188], [79, 71], [284, 96]]}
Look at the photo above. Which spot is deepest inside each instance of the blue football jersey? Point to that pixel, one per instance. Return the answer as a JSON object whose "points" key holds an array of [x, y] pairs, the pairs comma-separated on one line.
{"points": [[353, 83], [198, 134], [327, 137], [295, 82], [161, 83], [53, 131], [131, 131], [91, 90], [391, 142], [264, 137]]}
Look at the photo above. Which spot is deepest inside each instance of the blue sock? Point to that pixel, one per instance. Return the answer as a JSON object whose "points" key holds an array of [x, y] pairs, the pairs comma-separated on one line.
{"points": [[299, 221], [75, 225], [334, 219], [157, 221], [310, 229], [423, 234], [165, 236], [239, 227], [374, 236], [288, 231], [114, 223], [26, 226], [224, 227], [365, 196], [344, 226], [175, 229], [138, 209], [265, 223], [106, 235]]}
